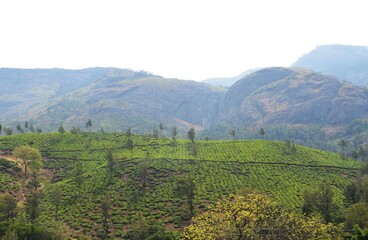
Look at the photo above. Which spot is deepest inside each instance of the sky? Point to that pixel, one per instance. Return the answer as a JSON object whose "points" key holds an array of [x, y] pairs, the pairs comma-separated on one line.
{"points": [[191, 39]]}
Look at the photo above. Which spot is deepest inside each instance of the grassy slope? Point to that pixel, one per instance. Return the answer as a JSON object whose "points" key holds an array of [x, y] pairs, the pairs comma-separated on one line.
{"points": [[220, 168]]}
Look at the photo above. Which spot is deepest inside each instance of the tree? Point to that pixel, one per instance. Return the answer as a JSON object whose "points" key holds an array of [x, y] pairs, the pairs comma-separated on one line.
{"points": [[161, 127], [233, 133], [39, 130], [191, 134], [110, 164], [320, 200], [1, 128], [262, 132], [9, 206], [89, 125], [32, 205], [309, 202], [354, 154], [19, 129], [130, 145], [105, 209], [254, 216], [56, 197], [61, 129], [343, 145], [155, 133], [75, 130], [290, 148], [357, 214], [186, 187], [34, 182], [8, 131], [142, 173], [362, 153], [174, 133], [78, 175], [27, 154], [128, 132], [26, 125], [32, 129]]}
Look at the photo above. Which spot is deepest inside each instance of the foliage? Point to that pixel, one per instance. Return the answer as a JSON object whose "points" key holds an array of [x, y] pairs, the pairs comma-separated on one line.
{"points": [[320, 200], [8, 206], [186, 188], [191, 134], [254, 216], [28, 154]]}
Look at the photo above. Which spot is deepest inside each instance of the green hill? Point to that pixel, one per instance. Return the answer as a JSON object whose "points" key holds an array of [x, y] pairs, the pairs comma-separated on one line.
{"points": [[218, 169]]}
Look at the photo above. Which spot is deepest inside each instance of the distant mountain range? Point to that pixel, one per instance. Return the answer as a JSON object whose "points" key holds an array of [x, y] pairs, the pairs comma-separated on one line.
{"points": [[118, 98], [348, 63]]}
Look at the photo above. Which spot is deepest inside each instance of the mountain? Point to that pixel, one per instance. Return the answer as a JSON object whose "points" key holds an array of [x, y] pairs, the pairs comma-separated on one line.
{"points": [[348, 63], [115, 99], [123, 98], [293, 96], [24, 88], [228, 81]]}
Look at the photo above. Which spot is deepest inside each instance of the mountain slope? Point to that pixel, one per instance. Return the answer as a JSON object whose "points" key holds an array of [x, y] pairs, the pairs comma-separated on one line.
{"points": [[293, 96], [124, 98], [23, 88], [348, 63]]}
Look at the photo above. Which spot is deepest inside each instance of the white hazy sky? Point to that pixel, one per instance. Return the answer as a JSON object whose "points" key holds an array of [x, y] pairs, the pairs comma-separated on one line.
{"points": [[187, 39]]}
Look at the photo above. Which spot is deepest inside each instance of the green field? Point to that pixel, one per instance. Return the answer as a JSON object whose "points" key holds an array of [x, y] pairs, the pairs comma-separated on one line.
{"points": [[218, 169]]}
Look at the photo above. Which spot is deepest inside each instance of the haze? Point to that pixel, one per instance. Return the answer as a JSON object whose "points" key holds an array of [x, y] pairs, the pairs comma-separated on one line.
{"points": [[181, 39]]}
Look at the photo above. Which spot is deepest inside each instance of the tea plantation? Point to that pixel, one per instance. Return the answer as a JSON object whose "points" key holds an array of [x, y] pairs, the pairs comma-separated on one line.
{"points": [[218, 169]]}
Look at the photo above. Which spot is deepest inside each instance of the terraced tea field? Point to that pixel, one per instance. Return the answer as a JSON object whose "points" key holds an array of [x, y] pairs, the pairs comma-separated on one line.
{"points": [[218, 169]]}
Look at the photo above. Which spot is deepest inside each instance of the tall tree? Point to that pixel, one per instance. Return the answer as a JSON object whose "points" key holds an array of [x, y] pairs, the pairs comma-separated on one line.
{"points": [[174, 133], [34, 183], [61, 129], [19, 129], [1, 128], [142, 173], [186, 187], [26, 125], [9, 206], [155, 133], [262, 132], [105, 209], [32, 129], [322, 201], [89, 125], [161, 127], [362, 152], [233, 133], [191, 134], [128, 132], [343, 145], [33, 201], [56, 197], [130, 145], [110, 164], [27, 155]]}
